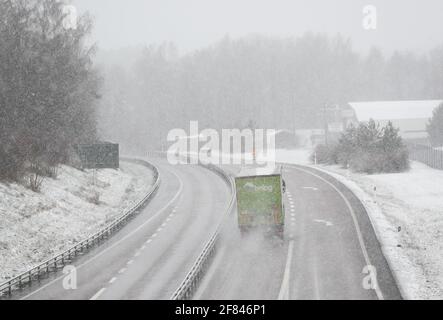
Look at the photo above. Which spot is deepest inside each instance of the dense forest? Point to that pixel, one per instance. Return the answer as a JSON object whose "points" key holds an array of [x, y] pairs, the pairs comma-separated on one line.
{"points": [[48, 88], [272, 82]]}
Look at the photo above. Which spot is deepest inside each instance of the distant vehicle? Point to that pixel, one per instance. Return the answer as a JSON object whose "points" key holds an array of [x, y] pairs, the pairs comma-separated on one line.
{"points": [[260, 200]]}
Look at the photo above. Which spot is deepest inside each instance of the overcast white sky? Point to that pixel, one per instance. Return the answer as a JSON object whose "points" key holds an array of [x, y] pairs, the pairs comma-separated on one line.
{"points": [[402, 24]]}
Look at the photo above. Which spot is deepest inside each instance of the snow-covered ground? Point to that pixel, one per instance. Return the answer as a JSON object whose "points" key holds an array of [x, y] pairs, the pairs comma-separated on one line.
{"points": [[297, 156], [300, 156], [36, 226], [407, 213]]}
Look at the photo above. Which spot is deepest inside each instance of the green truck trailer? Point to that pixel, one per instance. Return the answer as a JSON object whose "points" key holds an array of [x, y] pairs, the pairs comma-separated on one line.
{"points": [[260, 200]]}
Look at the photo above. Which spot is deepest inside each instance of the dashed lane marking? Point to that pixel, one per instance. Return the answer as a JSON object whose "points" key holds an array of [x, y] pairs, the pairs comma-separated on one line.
{"points": [[98, 294], [167, 205], [354, 218]]}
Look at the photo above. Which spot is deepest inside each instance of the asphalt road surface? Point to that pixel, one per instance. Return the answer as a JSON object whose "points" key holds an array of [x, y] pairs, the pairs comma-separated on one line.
{"points": [[152, 254], [330, 250]]}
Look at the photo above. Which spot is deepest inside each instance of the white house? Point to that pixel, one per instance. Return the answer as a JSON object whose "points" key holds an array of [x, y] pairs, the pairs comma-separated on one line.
{"points": [[411, 117]]}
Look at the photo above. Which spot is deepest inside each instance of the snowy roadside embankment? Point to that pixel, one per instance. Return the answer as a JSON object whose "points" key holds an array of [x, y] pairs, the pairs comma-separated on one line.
{"points": [[36, 226], [406, 210]]}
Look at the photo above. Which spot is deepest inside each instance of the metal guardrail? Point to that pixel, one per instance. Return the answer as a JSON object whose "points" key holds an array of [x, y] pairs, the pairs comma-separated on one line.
{"points": [[60, 260], [190, 284]]}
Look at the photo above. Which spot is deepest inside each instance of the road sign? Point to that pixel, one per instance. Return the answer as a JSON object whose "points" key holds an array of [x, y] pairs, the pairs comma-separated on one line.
{"points": [[98, 155]]}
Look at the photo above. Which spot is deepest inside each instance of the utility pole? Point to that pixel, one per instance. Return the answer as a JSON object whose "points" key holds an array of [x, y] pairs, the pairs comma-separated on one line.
{"points": [[325, 120], [324, 114]]}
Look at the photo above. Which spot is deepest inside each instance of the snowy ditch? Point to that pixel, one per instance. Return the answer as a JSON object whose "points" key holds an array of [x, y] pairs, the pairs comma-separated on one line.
{"points": [[36, 226]]}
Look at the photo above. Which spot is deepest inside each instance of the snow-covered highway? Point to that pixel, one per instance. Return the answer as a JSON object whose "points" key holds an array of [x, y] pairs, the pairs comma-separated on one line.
{"points": [[329, 250], [151, 255], [330, 247]]}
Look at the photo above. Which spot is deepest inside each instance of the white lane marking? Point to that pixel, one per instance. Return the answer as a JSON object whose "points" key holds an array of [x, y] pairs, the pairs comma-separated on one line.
{"points": [[149, 241], [164, 224], [98, 294], [169, 219], [354, 218], [130, 262], [316, 281], [143, 247], [327, 223], [154, 235], [311, 188], [112, 280], [122, 270], [284, 290], [119, 241], [137, 254]]}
